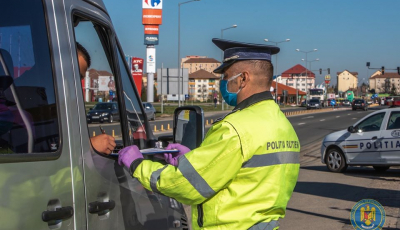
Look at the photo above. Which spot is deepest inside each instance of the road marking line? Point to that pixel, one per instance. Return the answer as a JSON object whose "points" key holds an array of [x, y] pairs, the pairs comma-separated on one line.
{"points": [[301, 123], [307, 117], [337, 116], [349, 114], [353, 118], [322, 120]]}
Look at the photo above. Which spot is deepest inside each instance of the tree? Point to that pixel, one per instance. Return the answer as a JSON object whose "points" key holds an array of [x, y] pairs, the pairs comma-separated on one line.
{"points": [[393, 90], [386, 86], [331, 89]]}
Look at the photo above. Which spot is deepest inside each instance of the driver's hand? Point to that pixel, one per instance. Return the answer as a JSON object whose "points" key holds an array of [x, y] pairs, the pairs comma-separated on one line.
{"points": [[103, 143]]}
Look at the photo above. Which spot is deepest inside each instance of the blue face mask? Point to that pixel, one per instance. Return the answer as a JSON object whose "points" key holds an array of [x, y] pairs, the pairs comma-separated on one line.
{"points": [[230, 98]]}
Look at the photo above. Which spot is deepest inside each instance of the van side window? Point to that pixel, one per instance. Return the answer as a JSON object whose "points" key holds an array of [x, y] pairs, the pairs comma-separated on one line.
{"points": [[100, 90], [98, 82], [28, 111]]}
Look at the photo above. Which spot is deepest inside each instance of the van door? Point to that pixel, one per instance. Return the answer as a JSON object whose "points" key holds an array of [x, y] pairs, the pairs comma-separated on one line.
{"points": [[114, 200], [39, 177]]}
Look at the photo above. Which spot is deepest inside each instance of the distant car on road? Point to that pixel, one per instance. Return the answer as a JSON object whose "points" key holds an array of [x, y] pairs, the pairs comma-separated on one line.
{"points": [[359, 104], [314, 104], [372, 141], [103, 111], [346, 103], [150, 111]]}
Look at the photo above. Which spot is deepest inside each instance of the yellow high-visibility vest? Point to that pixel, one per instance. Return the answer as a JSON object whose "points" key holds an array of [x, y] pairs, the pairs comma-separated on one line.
{"points": [[243, 173]]}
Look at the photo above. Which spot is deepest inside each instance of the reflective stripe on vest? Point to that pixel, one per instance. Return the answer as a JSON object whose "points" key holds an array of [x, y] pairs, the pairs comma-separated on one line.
{"points": [[265, 225], [155, 176], [194, 177], [273, 159], [201, 185]]}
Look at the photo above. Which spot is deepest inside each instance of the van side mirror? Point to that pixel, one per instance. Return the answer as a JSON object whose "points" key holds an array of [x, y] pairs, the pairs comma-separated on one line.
{"points": [[188, 127], [351, 129]]}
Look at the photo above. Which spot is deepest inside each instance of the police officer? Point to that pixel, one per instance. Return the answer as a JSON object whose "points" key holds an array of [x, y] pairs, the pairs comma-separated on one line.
{"points": [[243, 174]]}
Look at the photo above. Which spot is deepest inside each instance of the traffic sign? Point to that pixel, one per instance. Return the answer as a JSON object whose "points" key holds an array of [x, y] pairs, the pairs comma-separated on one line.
{"points": [[327, 81]]}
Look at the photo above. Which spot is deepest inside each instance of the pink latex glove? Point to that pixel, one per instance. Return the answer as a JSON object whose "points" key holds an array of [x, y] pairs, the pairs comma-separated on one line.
{"points": [[172, 158], [128, 155]]}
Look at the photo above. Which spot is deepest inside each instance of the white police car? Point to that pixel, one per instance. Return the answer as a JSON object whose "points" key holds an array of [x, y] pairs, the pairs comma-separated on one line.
{"points": [[373, 141]]}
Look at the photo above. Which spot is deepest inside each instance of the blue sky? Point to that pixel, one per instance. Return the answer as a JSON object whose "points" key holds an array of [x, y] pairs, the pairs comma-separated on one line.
{"points": [[347, 33]]}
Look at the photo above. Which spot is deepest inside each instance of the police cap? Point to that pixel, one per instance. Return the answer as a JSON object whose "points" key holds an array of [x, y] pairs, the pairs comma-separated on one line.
{"points": [[239, 51]]}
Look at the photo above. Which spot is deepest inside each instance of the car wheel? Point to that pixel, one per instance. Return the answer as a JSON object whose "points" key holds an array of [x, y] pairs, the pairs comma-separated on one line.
{"points": [[110, 119], [381, 168], [335, 160], [89, 121]]}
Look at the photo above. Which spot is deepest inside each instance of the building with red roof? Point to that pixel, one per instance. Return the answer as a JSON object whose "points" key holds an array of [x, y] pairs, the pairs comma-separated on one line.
{"points": [[296, 77]]}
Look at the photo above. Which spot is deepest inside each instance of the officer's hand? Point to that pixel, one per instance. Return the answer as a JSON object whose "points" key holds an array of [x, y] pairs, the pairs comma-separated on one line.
{"points": [[172, 158], [103, 143], [128, 155]]}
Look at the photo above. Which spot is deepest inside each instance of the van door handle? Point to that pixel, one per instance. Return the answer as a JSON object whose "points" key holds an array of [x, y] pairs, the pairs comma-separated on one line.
{"points": [[374, 138], [97, 206], [59, 214]]}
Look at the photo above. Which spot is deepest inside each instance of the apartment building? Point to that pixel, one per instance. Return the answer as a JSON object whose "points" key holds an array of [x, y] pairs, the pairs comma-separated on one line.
{"points": [[203, 86], [196, 63], [347, 80], [297, 77], [384, 83]]}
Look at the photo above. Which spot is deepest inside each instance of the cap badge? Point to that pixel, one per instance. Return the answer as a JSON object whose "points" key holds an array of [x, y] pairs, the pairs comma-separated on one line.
{"points": [[231, 58]]}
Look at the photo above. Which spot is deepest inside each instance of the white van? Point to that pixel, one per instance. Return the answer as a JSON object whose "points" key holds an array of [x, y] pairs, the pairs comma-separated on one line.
{"points": [[51, 177]]}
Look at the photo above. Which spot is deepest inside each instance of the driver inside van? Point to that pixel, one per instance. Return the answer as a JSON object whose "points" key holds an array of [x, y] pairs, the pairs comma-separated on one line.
{"points": [[102, 143]]}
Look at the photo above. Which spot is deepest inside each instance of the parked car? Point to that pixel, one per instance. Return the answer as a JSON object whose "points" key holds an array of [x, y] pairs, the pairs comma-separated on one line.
{"points": [[314, 104], [149, 110], [359, 104], [103, 111], [372, 141]]}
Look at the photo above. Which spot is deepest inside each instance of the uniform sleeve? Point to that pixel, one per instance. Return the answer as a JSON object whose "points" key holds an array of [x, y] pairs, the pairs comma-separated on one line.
{"points": [[200, 173]]}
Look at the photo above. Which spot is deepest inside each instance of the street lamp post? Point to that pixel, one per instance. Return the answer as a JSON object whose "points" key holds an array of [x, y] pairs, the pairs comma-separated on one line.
{"points": [[276, 66], [310, 69], [306, 52], [222, 55], [179, 48]]}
